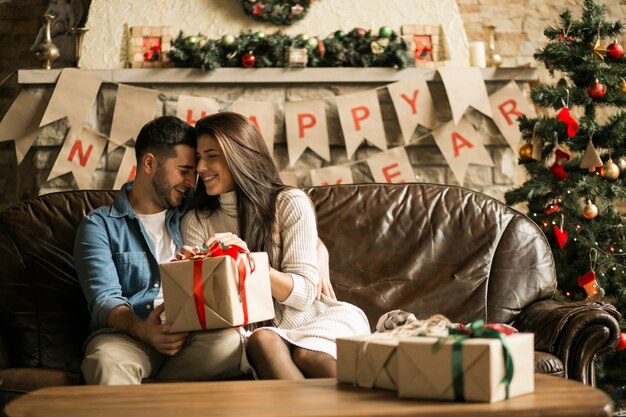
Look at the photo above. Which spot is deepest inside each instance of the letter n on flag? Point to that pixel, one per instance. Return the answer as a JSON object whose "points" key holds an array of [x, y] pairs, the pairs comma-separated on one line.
{"points": [[392, 166], [262, 114], [331, 176], [507, 105], [461, 145], [361, 119], [192, 108], [128, 168], [306, 127], [80, 155]]}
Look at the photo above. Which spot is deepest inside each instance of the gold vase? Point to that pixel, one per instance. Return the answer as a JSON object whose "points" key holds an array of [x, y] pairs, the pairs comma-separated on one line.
{"points": [[47, 52], [493, 57], [79, 33]]}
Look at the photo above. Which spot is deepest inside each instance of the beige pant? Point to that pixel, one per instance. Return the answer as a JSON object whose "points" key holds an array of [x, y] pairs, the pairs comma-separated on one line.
{"points": [[118, 359]]}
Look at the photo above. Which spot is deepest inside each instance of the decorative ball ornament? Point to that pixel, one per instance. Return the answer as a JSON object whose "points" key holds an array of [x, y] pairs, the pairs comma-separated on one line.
{"points": [[526, 152], [248, 60], [615, 50], [361, 31], [385, 32], [312, 42], [340, 34], [621, 163], [621, 342], [259, 35], [191, 40], [597, 90], [623, 86], [590, 211], [228, 40], [610, 170]]}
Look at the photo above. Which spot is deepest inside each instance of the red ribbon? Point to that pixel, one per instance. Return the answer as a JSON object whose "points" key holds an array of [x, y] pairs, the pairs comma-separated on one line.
{"points": [[217, 249]]}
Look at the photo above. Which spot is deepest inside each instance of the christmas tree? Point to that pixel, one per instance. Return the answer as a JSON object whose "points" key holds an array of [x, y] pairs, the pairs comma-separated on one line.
{"points": [[573, 154]]}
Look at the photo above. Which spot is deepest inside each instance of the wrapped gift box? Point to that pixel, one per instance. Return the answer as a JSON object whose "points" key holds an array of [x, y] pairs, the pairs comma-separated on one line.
{"points": [[425, 370], [368, 361], [208, 290]]}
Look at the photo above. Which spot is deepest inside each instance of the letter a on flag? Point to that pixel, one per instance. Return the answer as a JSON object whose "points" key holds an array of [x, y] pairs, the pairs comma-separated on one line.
{"points": [[262, 114], [80, 155]]}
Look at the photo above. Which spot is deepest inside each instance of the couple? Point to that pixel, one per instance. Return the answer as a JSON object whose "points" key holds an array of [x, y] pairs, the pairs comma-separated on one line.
{"points": [[240, 199]]}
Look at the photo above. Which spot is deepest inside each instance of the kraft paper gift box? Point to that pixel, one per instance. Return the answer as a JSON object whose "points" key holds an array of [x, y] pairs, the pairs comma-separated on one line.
{"points": [[368, 361], [425, 372], [218, 299]]}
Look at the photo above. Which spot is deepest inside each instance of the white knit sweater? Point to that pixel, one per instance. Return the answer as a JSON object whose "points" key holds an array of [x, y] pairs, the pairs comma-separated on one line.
{"points": [[300, 318]]}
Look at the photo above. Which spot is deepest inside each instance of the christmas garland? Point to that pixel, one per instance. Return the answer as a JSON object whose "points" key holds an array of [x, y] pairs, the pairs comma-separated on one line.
{"points": [[357, 48], [278, 12]]}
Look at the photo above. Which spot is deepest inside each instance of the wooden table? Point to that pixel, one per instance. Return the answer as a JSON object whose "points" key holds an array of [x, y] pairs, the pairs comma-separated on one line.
{"points": [[553, 396]]}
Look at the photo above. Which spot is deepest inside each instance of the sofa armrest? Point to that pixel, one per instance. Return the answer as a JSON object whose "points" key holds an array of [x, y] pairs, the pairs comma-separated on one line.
{"points": [[5, 356], [575, 332]]}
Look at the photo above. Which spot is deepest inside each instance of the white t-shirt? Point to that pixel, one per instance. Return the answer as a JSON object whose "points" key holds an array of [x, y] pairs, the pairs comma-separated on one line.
{"points": [[162, 242]]}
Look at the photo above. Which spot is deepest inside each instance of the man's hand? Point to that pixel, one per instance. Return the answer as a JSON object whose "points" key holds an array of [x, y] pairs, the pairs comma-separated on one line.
{"points": [[324, 286], [157, 335]]}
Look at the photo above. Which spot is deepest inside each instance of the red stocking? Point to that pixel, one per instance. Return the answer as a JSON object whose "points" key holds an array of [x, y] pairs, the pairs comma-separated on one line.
{"points": [[557, 169], [572, 125]]}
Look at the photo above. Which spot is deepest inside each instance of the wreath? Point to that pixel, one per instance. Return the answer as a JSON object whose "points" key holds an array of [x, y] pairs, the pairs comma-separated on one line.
{"points": [[278, 12]]}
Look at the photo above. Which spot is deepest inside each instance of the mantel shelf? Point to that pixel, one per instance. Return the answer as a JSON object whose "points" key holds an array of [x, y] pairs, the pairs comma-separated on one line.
{"points": [[269, 75]]}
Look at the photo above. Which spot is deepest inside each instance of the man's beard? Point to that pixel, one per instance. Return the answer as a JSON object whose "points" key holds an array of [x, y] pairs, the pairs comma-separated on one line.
{"points": [[163, 189]]}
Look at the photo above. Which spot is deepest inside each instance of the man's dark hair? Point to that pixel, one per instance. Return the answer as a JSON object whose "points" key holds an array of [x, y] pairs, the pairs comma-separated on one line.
{"points": [[161, 135]]}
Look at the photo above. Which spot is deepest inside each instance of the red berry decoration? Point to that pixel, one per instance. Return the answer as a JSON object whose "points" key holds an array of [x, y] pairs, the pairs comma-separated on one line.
{"points": [[597, 90], [615, 51], [621, 344], [248, 60], [361, 31]]}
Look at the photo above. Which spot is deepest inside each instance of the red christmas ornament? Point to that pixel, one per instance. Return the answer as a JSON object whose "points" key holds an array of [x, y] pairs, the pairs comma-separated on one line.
{"points": [[572, 125], [361, 31], [561, 236], [615, 51], [557, 169], [552, 208], [621, 343], [258, 9], [321, 48], [248, 60], [597, 90]]}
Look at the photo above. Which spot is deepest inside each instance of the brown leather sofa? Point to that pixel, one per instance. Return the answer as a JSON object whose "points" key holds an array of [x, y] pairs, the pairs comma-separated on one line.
{"points": [[421, 248]]}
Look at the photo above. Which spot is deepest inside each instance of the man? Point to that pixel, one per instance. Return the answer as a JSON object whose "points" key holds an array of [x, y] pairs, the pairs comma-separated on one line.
{"points": [[116, 255]]}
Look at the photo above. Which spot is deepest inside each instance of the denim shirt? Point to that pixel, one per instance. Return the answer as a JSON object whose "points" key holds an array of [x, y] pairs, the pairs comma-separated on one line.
{"points": [[115, 261]]}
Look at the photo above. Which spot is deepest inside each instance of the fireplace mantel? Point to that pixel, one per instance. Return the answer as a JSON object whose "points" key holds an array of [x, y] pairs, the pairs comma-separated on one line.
{"points": [[262, 76]]}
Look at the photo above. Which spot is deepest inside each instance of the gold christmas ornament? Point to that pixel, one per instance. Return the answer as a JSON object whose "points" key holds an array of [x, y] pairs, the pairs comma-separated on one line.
{"points": [[526, 151], [590, 211], [598, 50], [623, 87], [610, 170]]}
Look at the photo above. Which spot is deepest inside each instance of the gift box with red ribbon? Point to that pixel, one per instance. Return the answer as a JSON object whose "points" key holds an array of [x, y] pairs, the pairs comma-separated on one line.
{"points": [[221, 287]]}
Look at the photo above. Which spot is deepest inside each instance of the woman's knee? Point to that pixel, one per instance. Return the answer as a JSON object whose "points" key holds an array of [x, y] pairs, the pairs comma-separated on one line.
{"points": [[264, 341], [314, 364]]}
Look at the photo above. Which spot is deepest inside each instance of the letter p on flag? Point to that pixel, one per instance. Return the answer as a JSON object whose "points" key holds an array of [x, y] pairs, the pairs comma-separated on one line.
{"points": [[305, 121], [359, 114]]}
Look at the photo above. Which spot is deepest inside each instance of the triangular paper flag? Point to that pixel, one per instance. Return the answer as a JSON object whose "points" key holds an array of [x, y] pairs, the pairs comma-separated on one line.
{"points": [[591, 160], [507, 105], [465, 87], [73, 97], [134, 107], [306, 128], [413, 104], [537, 144], [392, 166], [460, 146], [191, 108], [21, 122], [262, 114], [361, 119], [289, 178], [80, 155], [331, 176], [128, 168]]}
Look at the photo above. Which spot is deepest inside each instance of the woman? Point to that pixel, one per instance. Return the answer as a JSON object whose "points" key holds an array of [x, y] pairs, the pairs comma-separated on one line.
{"points": [[240, 199]]}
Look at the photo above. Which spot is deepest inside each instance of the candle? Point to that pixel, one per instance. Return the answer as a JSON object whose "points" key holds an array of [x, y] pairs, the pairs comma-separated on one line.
{"points": [[477, 54]]}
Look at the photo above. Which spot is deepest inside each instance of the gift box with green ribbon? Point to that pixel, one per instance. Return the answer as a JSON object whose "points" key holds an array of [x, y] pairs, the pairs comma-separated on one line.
{"points": [[474, 363]]}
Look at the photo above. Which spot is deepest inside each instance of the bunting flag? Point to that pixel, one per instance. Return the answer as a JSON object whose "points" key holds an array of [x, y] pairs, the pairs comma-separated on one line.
{"points": [[331, 176], [461, 145], [128, 168], [413, 104], [21, 122], [134, 107], [262, 114], [289, 178], [80, 155], [192, 108], [306, 128], [591, 160], [507, 105], [73, 98], [361, 119], [465, 87], [392, 166]]}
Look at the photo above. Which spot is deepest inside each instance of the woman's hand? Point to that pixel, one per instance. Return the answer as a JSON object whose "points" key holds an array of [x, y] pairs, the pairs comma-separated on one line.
{"points": [[226, 239], [187, 251]]}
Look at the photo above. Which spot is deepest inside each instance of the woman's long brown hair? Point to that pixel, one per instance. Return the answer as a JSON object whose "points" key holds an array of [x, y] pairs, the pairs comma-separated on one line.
{"points": [[256, 178]]}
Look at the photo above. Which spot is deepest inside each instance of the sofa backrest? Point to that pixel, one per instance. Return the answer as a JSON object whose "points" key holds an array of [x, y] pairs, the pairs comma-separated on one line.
{"points": [[428, 248], [422, 248]]}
